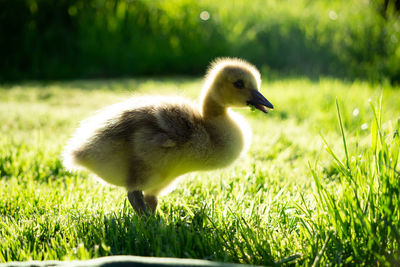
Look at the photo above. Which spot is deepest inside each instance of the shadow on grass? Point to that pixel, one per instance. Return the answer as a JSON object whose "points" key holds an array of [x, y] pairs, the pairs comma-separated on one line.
{"points": [[183, 235]]}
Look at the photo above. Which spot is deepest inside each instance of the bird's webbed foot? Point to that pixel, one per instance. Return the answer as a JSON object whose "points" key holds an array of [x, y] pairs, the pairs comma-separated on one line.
{"points": [[143, 205]]}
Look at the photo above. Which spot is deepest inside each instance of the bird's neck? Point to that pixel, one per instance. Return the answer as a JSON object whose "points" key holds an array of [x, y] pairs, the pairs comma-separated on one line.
{"points": [[227, 136], [211, 108]]}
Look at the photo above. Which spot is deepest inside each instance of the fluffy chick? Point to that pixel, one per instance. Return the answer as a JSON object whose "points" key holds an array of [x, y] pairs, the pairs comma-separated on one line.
{"points": [[144, 143]]}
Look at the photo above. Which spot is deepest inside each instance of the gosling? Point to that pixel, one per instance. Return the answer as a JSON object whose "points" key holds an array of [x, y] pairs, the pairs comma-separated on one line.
{"points": [[144, 143]]}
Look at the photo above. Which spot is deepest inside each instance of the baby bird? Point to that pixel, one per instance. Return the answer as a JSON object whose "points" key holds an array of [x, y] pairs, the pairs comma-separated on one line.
{"points": [[144, 143]]}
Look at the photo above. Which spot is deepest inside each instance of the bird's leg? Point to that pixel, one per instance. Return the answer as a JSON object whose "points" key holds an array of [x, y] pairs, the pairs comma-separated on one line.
{"points": [[151, 202], [137, 201], [142, 204]]}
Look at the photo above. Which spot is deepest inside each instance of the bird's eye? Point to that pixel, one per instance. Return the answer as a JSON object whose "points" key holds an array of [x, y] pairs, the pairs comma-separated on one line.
{"points": [[239, 84]]}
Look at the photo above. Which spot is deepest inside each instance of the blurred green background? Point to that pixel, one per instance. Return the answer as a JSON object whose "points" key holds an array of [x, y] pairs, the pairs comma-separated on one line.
{"points": [[63, 39]]}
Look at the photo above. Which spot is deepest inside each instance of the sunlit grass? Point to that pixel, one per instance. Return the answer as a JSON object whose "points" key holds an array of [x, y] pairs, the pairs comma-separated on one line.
{"points": [[287, 201]]}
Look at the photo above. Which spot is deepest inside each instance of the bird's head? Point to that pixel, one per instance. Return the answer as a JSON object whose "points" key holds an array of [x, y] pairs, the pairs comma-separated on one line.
{"points": [[235, 83]]}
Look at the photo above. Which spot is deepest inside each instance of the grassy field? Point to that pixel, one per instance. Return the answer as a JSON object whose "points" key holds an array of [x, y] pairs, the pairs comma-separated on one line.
{"points": [[292, 200]]}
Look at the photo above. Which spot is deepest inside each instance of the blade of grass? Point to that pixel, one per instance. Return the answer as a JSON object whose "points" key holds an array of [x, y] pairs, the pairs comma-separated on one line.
{"points": [[343, 135]]}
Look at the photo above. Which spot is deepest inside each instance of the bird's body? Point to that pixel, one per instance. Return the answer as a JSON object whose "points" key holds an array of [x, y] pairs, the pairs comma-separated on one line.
{"points": [[144, 143], [146, 146]]}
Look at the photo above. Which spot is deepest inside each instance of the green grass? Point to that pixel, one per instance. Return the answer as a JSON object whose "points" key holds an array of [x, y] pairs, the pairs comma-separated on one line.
{"points": [[288, 201], [113, 38]]}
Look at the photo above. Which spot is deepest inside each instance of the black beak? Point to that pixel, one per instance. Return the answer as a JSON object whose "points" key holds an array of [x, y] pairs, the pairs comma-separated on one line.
{"points": [[259, 101]]}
